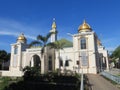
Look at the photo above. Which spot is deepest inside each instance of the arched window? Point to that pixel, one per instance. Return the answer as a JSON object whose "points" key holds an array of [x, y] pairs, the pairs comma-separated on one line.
{"points": [[83, 43]]}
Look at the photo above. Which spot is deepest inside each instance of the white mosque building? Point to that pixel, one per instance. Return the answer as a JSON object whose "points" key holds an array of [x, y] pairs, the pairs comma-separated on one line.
{"points": [[86, 54]]}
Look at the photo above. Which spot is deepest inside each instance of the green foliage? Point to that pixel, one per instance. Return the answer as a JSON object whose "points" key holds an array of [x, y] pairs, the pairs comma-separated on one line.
{"points": [[41, 41], [57, 45], [6, 81], [31, 72], [3, 82], [4, 56], [67, 43], [116, 53], [49, 81]]}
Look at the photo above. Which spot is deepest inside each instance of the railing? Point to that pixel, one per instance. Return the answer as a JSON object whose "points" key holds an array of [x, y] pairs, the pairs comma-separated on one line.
{"points": [[111, 77]]}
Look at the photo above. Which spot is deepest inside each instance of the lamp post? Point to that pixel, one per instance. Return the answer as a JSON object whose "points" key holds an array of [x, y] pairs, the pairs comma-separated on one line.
{"points": [[81, 85]]}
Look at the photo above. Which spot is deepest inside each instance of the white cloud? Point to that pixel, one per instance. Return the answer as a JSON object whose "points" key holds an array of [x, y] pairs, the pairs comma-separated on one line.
{"points": [[16, 34], [13, 28], [8, 33]]}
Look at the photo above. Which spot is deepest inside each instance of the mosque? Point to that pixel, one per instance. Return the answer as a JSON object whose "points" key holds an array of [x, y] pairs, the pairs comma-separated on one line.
{"points": [[85, 54]]}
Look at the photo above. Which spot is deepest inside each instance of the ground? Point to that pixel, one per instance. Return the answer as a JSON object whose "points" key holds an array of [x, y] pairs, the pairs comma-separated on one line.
{"points": [[97, 82]]}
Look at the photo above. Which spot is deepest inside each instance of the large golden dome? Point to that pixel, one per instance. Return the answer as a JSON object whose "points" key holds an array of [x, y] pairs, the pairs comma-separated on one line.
{"points": [[21, 38], [84, 27]]}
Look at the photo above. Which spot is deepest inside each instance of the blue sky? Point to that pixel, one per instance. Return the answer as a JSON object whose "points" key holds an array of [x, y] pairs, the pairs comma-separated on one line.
{"points": [[33, 17]]}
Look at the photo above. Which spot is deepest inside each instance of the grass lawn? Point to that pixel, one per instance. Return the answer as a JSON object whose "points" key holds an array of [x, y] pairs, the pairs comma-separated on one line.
{"points": [[6, 81]]}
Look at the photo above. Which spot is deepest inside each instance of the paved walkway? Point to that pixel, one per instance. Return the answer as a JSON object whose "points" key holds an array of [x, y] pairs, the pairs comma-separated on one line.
{"points": [[114, 71], [97, 82]]}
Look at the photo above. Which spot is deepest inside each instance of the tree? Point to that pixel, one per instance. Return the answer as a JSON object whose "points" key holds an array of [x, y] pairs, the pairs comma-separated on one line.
{"points": [[4, 56], [42, 41], [58, 46], [116, 56], [31, 72], [116, 53]]}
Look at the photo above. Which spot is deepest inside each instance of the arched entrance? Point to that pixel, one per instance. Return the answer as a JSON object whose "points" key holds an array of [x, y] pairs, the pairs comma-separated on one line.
{"points": [[35, 61]]}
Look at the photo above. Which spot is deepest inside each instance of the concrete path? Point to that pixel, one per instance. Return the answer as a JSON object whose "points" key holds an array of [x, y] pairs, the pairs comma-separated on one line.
{"points": [[114, 71], [97, 82]]}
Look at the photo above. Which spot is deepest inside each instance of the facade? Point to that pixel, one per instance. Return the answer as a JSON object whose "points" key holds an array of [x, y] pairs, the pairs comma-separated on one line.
{"points": [[86, 55]]}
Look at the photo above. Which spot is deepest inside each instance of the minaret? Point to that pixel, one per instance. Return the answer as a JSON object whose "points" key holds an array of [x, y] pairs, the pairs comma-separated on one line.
{"points": [[53, 31]]}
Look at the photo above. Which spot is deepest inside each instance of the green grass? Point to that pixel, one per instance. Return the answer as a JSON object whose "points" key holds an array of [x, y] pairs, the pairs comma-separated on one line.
{"points": [[118, 75], [3, 82], [6, 81]]}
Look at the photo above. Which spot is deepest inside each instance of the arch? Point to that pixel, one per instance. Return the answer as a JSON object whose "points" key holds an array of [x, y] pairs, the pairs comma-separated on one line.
{"points": [[35, 61]]}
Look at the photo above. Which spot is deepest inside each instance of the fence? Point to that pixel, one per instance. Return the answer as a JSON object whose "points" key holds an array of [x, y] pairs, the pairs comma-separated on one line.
{"points": [[111, 77]]}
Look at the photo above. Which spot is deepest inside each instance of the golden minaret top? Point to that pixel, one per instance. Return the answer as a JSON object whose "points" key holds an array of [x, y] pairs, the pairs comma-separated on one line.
{"points": [[54, 24]]}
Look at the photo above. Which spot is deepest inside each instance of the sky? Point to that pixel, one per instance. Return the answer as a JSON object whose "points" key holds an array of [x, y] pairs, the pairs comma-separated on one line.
{"points": [[35, 17]]}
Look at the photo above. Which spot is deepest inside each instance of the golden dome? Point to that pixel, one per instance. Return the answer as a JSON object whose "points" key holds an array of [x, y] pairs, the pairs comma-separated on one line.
{"points": [[21, 38], [99, 42], [84, 27], [54, 24]]}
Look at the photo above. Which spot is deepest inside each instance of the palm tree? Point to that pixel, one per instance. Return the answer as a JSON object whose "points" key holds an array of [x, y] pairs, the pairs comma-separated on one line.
{"points": [[42, 41], [58, 46]]}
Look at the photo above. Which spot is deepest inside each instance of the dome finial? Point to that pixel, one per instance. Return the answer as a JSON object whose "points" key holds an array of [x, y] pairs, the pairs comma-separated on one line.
{"points": [[84, 21], [53, 19]]}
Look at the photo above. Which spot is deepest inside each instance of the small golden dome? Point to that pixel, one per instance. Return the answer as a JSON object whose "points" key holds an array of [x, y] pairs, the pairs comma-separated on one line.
{"points": [[99, 42], [84, 27], [54, 24], [21, 38]]}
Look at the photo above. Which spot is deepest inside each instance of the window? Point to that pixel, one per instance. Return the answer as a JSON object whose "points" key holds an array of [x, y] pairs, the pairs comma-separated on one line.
{"points": [[66, 63], [83, 43], [50, 63], [61, 63], [15, 50], [77, 62], [84, 59]]}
